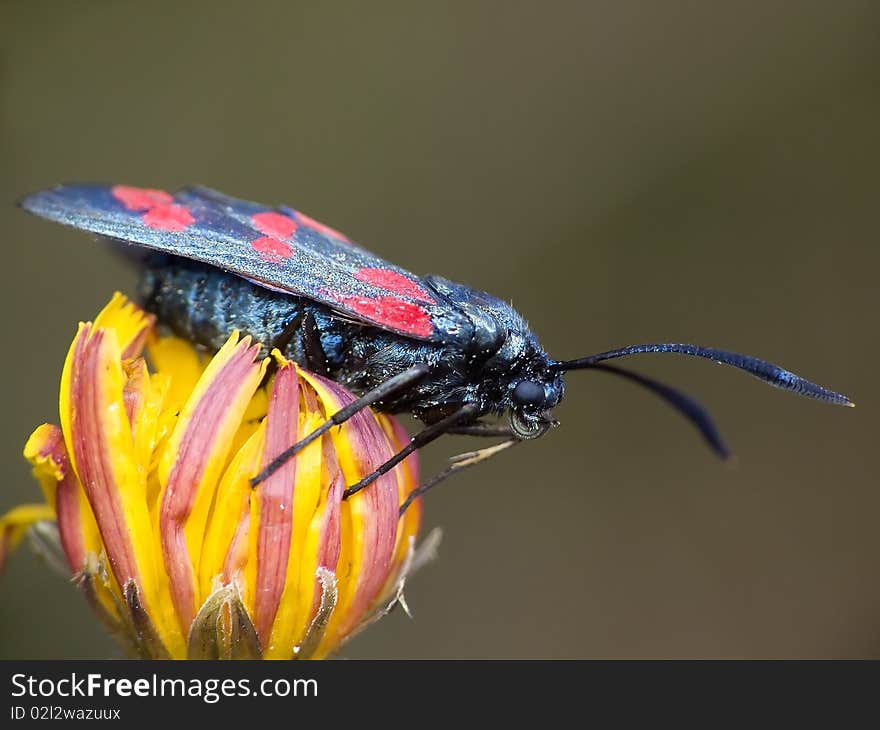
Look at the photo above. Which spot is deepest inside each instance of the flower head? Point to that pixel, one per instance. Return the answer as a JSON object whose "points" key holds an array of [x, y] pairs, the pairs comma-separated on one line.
{"points": [[148, 477]]}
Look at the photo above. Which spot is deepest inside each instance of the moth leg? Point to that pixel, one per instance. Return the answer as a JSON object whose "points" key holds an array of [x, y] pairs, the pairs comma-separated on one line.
{"points": [[486, 430], [305, 324], [316, 358], [422, 438], [399, 382], [283, 340], [462, 461]]}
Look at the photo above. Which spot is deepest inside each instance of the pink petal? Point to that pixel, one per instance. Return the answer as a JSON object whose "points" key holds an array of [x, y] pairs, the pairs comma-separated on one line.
{"points": [[203, 442], [68, 499], [93, 453], [276, 500], [378, 502]]}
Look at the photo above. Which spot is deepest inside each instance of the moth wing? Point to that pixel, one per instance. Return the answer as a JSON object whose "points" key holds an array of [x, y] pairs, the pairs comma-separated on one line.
{"points": [[277, 248]]}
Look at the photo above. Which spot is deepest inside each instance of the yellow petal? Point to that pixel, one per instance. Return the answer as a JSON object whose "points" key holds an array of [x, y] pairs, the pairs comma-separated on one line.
{"points": [[178, 360], [131, 324], [193, 461], [312, 504], [79, 534], [231, 506], [43, 447], [15, 523], [101, 444]]}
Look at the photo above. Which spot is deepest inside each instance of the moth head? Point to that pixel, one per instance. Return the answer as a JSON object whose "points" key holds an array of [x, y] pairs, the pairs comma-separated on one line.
{"points": [[531, 400]]}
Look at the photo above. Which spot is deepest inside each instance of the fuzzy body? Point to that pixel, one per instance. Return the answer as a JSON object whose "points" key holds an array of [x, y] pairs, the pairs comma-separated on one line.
{"points": [[203, 304]]}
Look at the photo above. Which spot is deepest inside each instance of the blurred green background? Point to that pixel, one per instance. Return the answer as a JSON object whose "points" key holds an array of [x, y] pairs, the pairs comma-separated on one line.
{"points": [[622, 172]]}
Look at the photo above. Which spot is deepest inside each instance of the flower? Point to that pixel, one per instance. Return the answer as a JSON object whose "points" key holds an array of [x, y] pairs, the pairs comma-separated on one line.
{"points": [[148, 478]]}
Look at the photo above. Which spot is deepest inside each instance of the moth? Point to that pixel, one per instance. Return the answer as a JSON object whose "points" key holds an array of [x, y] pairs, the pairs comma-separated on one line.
{"points": [[451, 355]]}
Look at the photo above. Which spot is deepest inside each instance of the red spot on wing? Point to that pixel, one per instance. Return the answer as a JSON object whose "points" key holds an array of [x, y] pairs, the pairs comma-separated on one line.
{"points": [[391, 312], [274, 224], [160, 210], [140, 198], [171, 217], [320, 227], [271, 249], [394, 282]]}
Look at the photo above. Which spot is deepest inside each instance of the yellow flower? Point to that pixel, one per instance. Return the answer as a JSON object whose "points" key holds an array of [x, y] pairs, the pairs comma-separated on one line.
{"points": [[147, 477]]}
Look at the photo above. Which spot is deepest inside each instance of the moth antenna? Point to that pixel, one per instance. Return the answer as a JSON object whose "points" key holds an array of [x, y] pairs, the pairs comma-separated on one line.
{"points": [[768, 372], [683, 403]]}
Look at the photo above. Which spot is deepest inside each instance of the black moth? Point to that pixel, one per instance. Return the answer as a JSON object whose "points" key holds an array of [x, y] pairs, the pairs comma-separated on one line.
{"points": [[446, 353]]}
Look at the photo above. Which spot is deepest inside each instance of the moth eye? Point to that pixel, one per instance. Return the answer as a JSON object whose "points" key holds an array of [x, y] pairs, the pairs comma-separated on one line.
{"points": [[528, 393]]}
